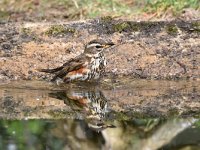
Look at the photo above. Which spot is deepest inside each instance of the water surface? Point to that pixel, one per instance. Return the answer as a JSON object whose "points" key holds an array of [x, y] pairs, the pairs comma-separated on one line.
{"points": [[122, 114]]}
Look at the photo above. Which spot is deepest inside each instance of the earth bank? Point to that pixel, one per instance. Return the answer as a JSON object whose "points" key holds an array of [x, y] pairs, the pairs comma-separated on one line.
{"points": [[148, 50]]}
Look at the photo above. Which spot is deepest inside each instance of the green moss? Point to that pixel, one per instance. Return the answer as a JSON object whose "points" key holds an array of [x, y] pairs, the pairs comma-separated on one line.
{"points": [[26, 31], [173, 113], [196, 26], [28, 34], [147, 25], [119, 27], [4, 15], [126, 26], [59, 29], [135, 26], [106, 19], [172, 29], [59, 114]]}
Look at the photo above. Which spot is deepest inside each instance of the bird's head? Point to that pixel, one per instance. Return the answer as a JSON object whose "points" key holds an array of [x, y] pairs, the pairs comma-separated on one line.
{"points": [[96, 46]]}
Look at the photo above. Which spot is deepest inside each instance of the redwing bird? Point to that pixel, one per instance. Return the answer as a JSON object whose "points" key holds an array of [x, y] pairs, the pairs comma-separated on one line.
{"points": [[93, 101], [90, 102], [90, 65]]}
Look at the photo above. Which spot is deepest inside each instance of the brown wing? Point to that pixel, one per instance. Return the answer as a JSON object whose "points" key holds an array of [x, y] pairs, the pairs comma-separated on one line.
{"points": [[72, 65], [61, 67]]}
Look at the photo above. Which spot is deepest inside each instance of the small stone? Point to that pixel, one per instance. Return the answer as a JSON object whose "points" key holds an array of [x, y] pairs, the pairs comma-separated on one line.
{"points": [[114, 70], [30, 72], [6, 46], [129, 59]]}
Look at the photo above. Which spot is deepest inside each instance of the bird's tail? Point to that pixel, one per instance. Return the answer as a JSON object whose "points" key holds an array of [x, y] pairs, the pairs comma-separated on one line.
{"points": [[50, 70]]}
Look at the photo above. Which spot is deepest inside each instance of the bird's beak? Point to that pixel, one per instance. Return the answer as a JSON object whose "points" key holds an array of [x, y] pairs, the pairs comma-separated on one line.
{"points": [[108, 45]]}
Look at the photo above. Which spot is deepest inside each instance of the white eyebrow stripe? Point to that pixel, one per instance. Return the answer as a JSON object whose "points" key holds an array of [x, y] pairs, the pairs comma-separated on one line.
{"points": [[93, 45]]}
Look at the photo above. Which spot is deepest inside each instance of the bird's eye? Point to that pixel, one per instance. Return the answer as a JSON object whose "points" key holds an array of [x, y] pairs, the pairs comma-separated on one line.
{"points": [[98, 46]]}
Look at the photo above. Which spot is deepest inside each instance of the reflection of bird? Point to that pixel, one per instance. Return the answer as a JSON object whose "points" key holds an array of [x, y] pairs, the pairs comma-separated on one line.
{"points": [[85, 67], [92, 101], [99, 126]]}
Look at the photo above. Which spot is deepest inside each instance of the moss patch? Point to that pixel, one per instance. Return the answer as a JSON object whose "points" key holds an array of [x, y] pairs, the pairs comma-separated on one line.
{"points": [[109, 25], [173, 113], [119, 27], [196, 26], [26, 31], [59, 30], [4, 15], [57, 114], [29, 35], [134, 26], [172, 29], [126, 26], [106, 19]]}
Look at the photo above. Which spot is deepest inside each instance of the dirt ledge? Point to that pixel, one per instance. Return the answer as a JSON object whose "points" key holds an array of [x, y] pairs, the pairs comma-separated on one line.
{"points": [[150, 50]]}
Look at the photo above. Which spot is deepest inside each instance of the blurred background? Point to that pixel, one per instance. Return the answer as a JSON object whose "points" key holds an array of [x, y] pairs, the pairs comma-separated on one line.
{"points": [[66, 10]]}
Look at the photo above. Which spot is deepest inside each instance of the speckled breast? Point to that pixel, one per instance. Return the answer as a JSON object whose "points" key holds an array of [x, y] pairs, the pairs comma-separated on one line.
{"points": [[94, 100], [94, 70], [97, 67]]}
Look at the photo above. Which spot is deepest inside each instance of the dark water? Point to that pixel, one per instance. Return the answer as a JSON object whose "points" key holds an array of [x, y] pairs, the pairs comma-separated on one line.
{"points": [[138, 115], [76, 134]]}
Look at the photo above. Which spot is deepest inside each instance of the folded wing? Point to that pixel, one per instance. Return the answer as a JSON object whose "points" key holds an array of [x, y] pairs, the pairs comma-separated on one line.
{"points": [[72, 65]]}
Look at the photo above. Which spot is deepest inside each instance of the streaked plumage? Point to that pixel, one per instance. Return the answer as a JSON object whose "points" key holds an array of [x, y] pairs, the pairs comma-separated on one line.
{"points": [[95, 101], [90, 65], [88, 99], [89, 102]]}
